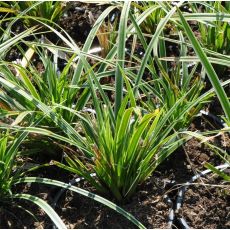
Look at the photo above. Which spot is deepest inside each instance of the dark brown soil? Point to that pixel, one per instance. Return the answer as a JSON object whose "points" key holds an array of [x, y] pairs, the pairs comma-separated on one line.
{"points": [[77, 211], [207, 206], [148, 206]]}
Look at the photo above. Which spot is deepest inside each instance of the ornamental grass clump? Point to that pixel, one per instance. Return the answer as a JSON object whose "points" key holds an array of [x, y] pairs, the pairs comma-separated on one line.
{"points": [[49, 11], [214, 35], [124, 152], [12, 173], [125, 140]]}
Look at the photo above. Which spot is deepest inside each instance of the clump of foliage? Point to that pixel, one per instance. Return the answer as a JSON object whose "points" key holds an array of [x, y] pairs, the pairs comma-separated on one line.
{"points": [[216, 34], [121, 132], [51, 11]]}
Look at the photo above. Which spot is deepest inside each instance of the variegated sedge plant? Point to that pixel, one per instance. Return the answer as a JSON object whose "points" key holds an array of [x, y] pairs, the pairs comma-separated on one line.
{"points": [[206, 56], [50, 11], [15, 107], [149, 25], [214, 35], [11, 173], [214, 54], [201, 54], [121, 162], [123, 145], [51, 86]]}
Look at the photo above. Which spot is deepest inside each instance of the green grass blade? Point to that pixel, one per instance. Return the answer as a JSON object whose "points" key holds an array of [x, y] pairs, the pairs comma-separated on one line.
{"points": [[183, 52], [183, 59], [45, 207], [84, 193], [210, 52], [122, 128], [153, 45], [131, 29], [28, 83], [89, 42], [12, 41], [65, 126], [121, 56], [208, 67], [162, 53], [217, 171], [206, 17], [7, 10]]}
